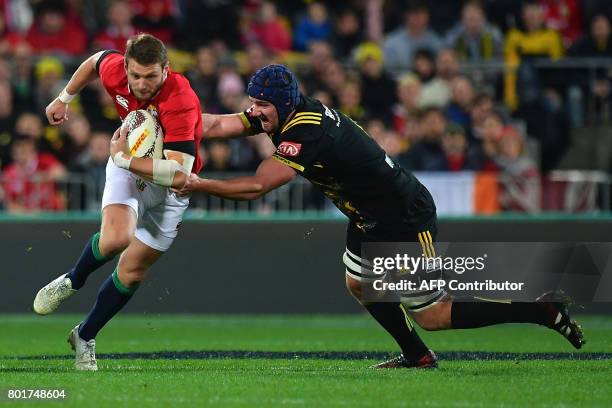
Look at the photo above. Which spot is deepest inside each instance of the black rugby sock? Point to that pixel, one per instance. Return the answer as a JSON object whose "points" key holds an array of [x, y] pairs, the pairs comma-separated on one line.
{"points": [[90, 260], [393, 319], [468, 315], [113, 295]]}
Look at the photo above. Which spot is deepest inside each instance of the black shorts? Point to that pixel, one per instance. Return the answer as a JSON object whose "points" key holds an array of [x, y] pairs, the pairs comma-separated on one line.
{"points": [[360, 269]]}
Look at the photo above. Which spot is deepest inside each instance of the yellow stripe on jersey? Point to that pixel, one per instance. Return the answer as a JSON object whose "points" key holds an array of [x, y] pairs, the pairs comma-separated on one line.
{"points": [[294, 120], [424, 245], [431, 246], [300, 122], [315, 116], [309, 117], [306, 114], [297, 115], [288, 162]]}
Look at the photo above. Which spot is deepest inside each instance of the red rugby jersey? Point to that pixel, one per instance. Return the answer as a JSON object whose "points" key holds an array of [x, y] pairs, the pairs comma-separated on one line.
{"points": [[176, 105]]}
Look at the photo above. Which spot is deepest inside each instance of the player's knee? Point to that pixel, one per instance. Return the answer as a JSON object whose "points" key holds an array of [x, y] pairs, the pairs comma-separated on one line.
{"points": [[131, 277], [117, 229], [113, 242]]}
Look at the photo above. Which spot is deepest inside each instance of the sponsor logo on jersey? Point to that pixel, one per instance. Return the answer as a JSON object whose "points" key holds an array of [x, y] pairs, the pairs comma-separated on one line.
{"points": [[122, 101], [332, 114], [289, 149]]}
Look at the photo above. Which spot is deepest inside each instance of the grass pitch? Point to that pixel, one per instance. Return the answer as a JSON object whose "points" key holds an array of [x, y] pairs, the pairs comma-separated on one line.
{"points": [[245, 361]]}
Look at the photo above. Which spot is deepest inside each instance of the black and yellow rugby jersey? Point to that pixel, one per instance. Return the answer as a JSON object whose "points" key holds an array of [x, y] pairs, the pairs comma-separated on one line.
{"points": [[336, 154]]}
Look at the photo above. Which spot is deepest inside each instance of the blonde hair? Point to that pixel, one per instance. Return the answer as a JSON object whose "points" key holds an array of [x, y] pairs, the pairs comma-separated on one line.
{"points": [[409, 79]]}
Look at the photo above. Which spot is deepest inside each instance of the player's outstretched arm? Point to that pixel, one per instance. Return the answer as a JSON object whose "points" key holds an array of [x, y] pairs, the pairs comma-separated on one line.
{"points": [[171, 172], [270, 174], [230, 126], [57, 110]]}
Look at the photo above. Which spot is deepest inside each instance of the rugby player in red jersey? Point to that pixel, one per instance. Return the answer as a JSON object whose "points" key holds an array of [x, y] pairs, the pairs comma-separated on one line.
{"points": [[140, 214]]}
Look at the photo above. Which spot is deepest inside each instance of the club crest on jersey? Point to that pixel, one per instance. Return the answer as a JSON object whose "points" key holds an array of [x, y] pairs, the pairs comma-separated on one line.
{"points": [[152, 110], [289, 149], [122, 101]]}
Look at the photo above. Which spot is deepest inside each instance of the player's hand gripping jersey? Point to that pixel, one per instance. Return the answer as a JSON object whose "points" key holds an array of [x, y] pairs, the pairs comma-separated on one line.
{"points": [[335, 153]]}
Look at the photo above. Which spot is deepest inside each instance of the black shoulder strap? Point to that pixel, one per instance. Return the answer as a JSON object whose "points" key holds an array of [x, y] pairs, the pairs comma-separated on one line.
{"points": [[102, 56], [187, 146]]}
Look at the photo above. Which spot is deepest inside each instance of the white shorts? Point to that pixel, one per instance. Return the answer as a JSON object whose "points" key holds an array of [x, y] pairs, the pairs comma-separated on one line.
{"points": [[159, 210]]}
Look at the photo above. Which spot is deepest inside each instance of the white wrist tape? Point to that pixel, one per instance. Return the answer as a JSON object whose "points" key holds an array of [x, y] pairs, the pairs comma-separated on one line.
{"points": [[186, 160], [65, 97], [164, 171], [121, 161]]}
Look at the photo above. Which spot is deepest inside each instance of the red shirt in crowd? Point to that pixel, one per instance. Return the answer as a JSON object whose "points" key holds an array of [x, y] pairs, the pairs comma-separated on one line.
{"points": [[160, 8], [155, 17], [272, 35], [565, 17], [71, 39], [22, 188], [111, 39], [176, 105], [455, 162]]}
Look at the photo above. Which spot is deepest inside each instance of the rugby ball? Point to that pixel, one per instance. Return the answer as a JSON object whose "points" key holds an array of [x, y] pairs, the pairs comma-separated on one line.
{"points": [[145, 135]]}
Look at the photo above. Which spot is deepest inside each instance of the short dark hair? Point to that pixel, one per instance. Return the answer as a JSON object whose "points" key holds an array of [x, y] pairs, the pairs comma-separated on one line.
{"points": [[530, 3], [50, 6], [146, 49], [454, 128], [597, 15], [416, 6], [426, 53], [473, 3], [499, 115], [428, 110], [483, 97], [21, 139]]}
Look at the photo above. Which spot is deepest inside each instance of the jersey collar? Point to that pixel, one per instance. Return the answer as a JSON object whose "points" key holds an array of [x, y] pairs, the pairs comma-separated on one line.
{"points": [[289, 117], [272, 134]]}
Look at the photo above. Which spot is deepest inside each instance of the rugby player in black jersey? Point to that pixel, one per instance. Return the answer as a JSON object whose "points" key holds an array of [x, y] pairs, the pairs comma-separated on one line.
{"points": [[383, 202]]}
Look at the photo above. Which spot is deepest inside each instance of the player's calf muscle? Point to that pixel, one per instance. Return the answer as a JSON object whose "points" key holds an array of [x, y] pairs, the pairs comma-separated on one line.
{"points": [[437, 317]]}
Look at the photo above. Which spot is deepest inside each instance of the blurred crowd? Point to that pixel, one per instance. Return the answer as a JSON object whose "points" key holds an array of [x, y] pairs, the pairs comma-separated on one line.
{"points": [[445, 85]]}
